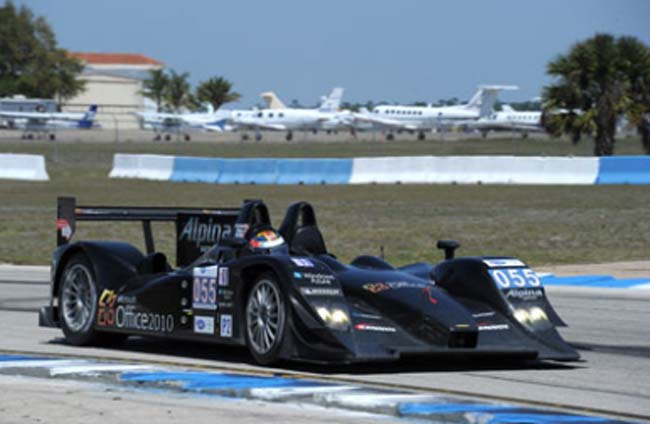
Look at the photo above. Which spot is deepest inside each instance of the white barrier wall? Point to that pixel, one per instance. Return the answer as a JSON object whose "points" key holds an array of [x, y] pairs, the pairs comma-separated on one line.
{"points": [[474, 170], [148, 167], [23, 167]]}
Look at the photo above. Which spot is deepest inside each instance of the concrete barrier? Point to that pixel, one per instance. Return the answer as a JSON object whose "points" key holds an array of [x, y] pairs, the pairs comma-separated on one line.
{"points": [[624, 170], [196, 170], [23, 167], [474, 170], [147, 167], [248, 171], [313, 171], [374, 170]]}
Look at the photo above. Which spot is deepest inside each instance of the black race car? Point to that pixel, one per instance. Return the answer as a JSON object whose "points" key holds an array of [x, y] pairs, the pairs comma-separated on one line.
{"points": [[282, 294]]}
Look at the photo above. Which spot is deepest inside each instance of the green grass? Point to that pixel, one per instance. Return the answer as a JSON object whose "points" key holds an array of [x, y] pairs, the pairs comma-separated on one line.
{"points": [[541, 225]]}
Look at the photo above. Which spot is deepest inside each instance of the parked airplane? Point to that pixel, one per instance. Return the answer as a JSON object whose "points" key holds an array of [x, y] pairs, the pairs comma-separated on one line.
{"points": [[272, 101], [289, 119], [33, 123], [427, 118], [166, 124], [509, 119]]}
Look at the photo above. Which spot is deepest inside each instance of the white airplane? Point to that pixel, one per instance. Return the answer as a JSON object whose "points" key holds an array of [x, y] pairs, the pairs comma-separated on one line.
{"points": [[166, 124], [427, 118], [289, 119], [49, 122], [509, 119], [272, 101]]}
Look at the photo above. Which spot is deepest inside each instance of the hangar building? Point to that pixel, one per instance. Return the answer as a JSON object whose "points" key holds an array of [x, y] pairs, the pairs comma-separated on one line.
{"points": [[114, 83]]}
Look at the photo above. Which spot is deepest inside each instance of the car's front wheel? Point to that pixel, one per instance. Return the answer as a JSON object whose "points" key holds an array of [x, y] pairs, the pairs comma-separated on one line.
{"points": [[78, 296], [266, 319]]}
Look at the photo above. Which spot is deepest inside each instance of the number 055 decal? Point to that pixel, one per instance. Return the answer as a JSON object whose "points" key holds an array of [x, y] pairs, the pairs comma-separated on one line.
{"points": [[515, 278]]}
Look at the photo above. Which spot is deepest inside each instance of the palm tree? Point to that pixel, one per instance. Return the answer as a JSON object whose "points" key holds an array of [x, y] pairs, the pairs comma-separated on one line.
{"points": [[216, 91], [594, 87], [155, 87], [178, 90], [635, 62]]}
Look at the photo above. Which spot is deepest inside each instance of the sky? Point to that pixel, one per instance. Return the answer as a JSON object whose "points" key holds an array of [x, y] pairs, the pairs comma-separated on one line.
{"points": [[395, 51]]}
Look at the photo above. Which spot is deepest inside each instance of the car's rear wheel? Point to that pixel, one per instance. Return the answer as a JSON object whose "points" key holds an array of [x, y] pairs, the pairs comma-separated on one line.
{"points": [[78, 295], [266, 319]]}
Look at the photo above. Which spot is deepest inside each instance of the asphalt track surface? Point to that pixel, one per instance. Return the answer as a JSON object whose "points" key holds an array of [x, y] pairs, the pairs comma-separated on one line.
{"points": [[609, 327]]}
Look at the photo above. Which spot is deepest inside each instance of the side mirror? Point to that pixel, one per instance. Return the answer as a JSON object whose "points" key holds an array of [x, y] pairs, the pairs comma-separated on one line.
{"points": [[449, 246]]}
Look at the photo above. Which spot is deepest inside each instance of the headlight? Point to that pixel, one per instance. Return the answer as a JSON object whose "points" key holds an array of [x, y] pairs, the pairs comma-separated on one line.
{"points": [[335, 318], [530, 316]]}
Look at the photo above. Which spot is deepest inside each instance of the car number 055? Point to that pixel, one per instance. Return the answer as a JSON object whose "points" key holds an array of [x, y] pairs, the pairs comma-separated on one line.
{"points": [[515, 278]]}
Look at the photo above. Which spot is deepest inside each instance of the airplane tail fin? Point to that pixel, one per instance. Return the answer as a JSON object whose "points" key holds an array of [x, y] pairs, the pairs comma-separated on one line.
{"points": [[272, 101], [332, 102], [87, 119], [485, 98]]}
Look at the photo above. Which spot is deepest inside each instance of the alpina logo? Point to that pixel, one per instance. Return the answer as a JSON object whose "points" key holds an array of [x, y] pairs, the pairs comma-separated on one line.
{"points": [[204, 232]]}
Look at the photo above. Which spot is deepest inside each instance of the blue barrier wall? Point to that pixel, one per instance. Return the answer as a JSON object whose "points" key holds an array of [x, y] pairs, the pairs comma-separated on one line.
{"points": [[624, 170], [388, 170], [248, 171], [314, 171], [199, 170]]}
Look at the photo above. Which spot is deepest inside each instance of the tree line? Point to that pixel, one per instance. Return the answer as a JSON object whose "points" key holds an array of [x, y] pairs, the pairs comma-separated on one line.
{"points": [[171, 91]]}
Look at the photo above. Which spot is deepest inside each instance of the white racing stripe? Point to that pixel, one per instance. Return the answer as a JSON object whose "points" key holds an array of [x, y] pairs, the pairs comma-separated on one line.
{"points": [[40, 363], [283, 392], [645, 286], [92, 368], [373, 400]]}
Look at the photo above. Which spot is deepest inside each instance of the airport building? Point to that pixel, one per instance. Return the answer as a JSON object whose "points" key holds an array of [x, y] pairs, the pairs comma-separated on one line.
{"points": [[114, 83]]}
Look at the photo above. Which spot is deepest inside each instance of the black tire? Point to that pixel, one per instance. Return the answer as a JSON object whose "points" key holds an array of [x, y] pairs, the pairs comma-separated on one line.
{"points": [[85, 334], [256, 345]]}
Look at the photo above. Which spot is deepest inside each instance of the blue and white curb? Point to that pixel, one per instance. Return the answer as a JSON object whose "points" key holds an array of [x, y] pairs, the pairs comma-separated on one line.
{"points": [[391, 403], [387, 170], [596, 281]]}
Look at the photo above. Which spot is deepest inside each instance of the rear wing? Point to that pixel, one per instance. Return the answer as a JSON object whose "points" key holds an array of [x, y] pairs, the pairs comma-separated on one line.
{"points": [[197, 229]]}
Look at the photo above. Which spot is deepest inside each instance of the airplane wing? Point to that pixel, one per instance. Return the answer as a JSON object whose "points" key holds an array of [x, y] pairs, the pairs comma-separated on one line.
{"points": [[384, 122], [42, 116]]}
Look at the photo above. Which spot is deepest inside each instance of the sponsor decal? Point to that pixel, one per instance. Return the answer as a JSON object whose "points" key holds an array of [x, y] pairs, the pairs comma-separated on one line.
{"points": [[196, 233], [503, 263], [225, 325], [376, 287], [296, 274], [515, 278], [202, 232], [128, 317], [224, 276], [106, 309], [204, 290], [372, 327], [396, 285], [483, 326], [240, 230], [483, 315], [64, 228], [429, 295], [203, 325], [365, 316], [126, 299], [320, 291], [319, 279], [524, 294], [302, 262]]}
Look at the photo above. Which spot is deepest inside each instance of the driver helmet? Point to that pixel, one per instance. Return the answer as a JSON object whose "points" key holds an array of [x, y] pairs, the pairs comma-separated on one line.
{"points": [[266, 239]]}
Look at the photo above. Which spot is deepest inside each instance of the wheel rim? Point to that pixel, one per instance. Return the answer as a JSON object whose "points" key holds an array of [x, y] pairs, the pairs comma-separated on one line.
{"points": [[264, 317], [78, 298]]}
